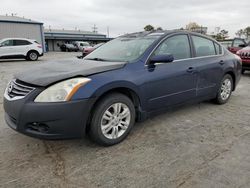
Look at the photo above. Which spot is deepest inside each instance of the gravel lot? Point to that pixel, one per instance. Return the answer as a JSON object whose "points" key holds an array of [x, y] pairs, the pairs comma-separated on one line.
{"points": [[201, 145]]}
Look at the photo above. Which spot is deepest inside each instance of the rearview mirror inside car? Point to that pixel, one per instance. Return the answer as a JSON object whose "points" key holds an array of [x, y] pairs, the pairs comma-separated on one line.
{"points": [[162, 58]]}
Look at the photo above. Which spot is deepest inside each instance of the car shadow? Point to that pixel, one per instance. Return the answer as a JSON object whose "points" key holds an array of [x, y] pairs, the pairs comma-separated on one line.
{"points": [[15, 60], [137, 132]]}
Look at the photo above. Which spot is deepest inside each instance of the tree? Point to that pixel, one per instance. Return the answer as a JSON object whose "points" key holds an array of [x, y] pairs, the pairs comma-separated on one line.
{"points": [[243, 32], [159, 29], [149, 28], [247, 32], [224, 33], [240, 33], [192, 26]]}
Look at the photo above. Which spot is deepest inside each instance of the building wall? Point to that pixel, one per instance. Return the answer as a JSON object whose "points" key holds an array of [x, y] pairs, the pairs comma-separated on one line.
{"points": [[54, 45], [22, 30]]}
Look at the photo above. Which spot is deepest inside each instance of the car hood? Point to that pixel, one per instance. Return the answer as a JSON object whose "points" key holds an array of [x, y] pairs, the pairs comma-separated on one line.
{"points": [[246, 49], [50, 72]]}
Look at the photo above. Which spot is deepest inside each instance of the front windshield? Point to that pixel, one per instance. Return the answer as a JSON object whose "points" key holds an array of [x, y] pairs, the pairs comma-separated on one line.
{"points": [[122, 49]]}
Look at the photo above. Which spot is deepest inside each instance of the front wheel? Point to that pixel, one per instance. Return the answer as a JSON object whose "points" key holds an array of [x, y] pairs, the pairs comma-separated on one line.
{"points": [[225, 90], [113, 119]]}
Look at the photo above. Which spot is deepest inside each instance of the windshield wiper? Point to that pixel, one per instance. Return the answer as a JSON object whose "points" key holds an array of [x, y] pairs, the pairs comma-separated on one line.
{"points": [[96, 59]]}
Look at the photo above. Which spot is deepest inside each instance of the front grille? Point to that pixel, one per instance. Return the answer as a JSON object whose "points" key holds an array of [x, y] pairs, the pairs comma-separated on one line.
{"points": [[17, 89], [245, 55]]}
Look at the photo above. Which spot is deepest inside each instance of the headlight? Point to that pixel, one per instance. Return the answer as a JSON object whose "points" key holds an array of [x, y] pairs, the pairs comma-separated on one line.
{"points": [[62, 91]]}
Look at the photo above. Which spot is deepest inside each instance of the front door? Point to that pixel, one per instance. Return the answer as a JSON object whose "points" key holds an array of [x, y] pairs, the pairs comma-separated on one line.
{"points": [[6, 48], [175, 82]]}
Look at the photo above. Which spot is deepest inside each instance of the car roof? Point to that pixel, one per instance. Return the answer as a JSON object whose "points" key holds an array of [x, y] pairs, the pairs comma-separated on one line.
{"points": [[18, 39], [163, 33]]}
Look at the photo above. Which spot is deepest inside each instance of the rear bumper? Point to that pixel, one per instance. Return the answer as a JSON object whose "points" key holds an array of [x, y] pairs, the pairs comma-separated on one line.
{"points": [[48, 120]]}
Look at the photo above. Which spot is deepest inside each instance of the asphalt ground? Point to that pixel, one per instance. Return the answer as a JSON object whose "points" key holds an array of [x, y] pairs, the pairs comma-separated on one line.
{"points": [[199, 145]]}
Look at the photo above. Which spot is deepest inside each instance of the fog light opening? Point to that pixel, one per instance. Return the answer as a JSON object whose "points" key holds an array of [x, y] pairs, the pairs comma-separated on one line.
{"points": [[39, 127]]}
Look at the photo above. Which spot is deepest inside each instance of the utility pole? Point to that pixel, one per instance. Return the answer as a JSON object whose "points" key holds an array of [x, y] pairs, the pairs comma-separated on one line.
{"points": [[108, 31], [94, 29]]}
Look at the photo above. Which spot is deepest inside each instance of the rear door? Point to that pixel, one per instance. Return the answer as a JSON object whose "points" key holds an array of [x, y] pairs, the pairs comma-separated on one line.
{"points": [[209, 63], [21, 47]]}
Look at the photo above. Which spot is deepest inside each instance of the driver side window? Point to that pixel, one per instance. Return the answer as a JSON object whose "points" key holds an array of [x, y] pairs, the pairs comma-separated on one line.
{"points": [[177, 45], [7, 43]]}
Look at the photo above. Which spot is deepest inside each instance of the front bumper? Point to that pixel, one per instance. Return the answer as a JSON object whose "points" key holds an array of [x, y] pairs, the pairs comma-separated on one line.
{"points": [[246, 64], [48, 120]]}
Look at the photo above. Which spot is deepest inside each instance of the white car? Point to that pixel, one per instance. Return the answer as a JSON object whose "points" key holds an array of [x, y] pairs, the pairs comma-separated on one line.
{"points": [[81, 45], [11, 48]]}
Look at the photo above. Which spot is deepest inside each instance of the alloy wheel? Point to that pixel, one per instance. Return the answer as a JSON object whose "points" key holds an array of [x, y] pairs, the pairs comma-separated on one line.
{"points": [[33, 56], [226, 89], [115, 120]]}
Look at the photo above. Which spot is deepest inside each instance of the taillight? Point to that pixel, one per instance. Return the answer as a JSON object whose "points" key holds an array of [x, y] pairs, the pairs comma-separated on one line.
{"points": [[39, 46]]}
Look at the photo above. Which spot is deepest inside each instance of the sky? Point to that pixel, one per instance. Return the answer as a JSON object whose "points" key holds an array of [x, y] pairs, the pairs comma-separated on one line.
{"points": [[126, 16]]}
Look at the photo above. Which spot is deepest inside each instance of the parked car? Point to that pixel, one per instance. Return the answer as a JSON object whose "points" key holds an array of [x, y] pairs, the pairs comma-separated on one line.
{"points": [[68, 47], [88, 50], [12, 48], [128, 79], [245, 57], [234, 45], [81, 45]]}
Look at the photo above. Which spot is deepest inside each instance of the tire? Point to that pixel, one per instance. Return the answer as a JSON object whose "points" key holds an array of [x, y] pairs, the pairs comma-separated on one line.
{"points": [[242, 71], [104, 117], [225, 90], [32, 56]]}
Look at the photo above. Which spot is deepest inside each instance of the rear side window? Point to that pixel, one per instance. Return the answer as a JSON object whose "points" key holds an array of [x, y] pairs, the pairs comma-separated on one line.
{"points": [[217, 48], [203, 46], [177, 45], [21, 42]]}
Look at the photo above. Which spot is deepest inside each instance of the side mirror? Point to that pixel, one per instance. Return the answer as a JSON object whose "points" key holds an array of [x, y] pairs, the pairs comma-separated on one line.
{"points": [[168, 58], [242, 45]]}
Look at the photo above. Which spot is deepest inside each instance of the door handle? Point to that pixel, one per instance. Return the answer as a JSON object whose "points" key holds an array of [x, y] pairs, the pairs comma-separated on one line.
{"points": [[191, 70], [221, 62]]}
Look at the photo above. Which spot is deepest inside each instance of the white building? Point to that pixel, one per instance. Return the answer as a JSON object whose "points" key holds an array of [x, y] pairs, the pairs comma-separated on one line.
{"points": [[55, 37], [17, 27]]}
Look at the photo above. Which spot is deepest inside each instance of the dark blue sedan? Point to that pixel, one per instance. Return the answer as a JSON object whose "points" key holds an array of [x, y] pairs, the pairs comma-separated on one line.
{"points": [[127, 79]]}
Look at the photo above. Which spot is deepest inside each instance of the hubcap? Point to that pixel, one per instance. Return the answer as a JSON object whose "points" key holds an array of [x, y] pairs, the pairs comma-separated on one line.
{"points": [[115, 120], [226, 89], [33, 56]]}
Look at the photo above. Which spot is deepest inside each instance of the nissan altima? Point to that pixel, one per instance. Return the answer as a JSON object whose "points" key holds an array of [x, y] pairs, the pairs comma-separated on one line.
{"points": [[126, 80]]}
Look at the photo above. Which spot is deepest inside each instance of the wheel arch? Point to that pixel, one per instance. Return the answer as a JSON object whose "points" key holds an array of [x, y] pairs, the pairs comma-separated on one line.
{"points": [[232, 74], [127, 91], [32, 50]]}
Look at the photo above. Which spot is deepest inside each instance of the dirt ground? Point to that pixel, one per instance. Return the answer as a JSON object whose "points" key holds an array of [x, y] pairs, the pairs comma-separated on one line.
{"points": [[201, 145]]}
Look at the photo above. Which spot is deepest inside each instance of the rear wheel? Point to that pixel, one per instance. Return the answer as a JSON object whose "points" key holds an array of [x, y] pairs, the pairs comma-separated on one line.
{"points": [[225, 90], [242, 71], [113, 119], [32, 56]]}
